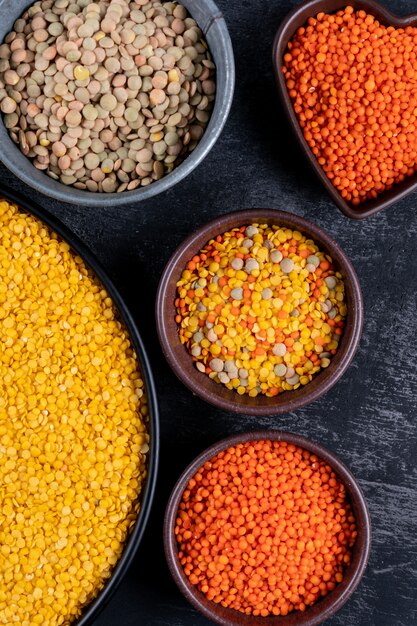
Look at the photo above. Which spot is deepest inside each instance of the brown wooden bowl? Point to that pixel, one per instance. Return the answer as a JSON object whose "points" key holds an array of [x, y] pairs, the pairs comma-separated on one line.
{"points": [[294, 20], [326, 606], [181, 361]]}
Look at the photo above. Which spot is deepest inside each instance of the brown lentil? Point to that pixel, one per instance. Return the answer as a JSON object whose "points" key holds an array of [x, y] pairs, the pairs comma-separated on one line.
{"points": [[112, 65], [73, 428], [263, 298]]}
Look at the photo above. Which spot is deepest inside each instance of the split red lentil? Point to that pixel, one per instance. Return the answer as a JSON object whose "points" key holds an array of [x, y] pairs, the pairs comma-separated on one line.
{"points": [[261, 309], [265, 528], [73, 428], [353, 85]]}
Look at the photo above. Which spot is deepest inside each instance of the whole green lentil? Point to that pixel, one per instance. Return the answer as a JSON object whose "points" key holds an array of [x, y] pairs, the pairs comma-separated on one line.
{"points": [[137, 70]]}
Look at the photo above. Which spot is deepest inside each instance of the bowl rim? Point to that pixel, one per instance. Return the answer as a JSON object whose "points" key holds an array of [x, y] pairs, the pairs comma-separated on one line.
{"points": [[16, 161], [286, 30], [92, 609], [352, 577], [168, 333]]}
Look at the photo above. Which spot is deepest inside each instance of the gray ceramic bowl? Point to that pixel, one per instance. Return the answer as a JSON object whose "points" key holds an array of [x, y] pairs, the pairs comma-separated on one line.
{"points": [[212, 23]]}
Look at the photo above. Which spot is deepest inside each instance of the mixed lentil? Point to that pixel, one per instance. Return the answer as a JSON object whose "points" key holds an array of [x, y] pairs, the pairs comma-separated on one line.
{"points": [[261, 309], [265, 528], [73, 428], [353, 85], [108, 95]]}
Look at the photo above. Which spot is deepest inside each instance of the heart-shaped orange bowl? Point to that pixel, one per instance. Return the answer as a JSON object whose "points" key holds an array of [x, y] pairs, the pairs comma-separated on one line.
{"points": [[294, 20]]}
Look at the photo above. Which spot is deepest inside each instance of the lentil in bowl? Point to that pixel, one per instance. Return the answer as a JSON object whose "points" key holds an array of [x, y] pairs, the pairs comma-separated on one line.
{"points": [[118, 111], [261, 309], [241, 502], [299, 18], [79, 424], [251, 338]]}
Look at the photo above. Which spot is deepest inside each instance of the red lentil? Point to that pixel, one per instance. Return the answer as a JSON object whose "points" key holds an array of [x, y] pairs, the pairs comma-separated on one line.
{"points": [[353, 85], [265, 527]]}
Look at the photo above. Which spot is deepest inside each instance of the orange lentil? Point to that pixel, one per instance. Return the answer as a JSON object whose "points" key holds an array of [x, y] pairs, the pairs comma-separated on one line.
{"points": [[296, 538], [354, 92]]}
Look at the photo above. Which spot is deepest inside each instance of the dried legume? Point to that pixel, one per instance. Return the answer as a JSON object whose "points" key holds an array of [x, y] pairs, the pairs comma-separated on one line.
{"points": [[256, 297], [265, 528], [114, 72], [73, 428], [352, 81]]}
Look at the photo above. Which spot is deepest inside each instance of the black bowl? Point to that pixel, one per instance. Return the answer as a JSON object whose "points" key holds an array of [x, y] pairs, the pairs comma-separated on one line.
{"points": [[132, 544]]}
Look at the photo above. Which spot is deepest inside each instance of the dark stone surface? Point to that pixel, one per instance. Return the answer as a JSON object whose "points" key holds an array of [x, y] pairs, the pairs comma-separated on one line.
{"points": [[368, 418]]}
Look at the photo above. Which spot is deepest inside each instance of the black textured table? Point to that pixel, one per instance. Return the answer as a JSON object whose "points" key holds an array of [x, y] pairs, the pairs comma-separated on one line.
{"points": [[369, 418]]}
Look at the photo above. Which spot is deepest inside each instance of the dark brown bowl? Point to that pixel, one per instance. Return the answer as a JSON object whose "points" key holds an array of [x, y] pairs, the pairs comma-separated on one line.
{"points": [[296, 18], [181, 361], [324, 608]]}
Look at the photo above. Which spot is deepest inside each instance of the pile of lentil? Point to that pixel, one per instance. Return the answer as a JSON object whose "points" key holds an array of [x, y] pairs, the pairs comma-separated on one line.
{"points": [[265, 528], [73, 428], [261, 309], [353, 85], [108, 95]]}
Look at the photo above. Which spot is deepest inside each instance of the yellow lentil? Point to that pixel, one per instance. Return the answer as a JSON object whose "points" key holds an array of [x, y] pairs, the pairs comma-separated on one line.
{"points": [[81, 72], [73, 433], [261, 309]]}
